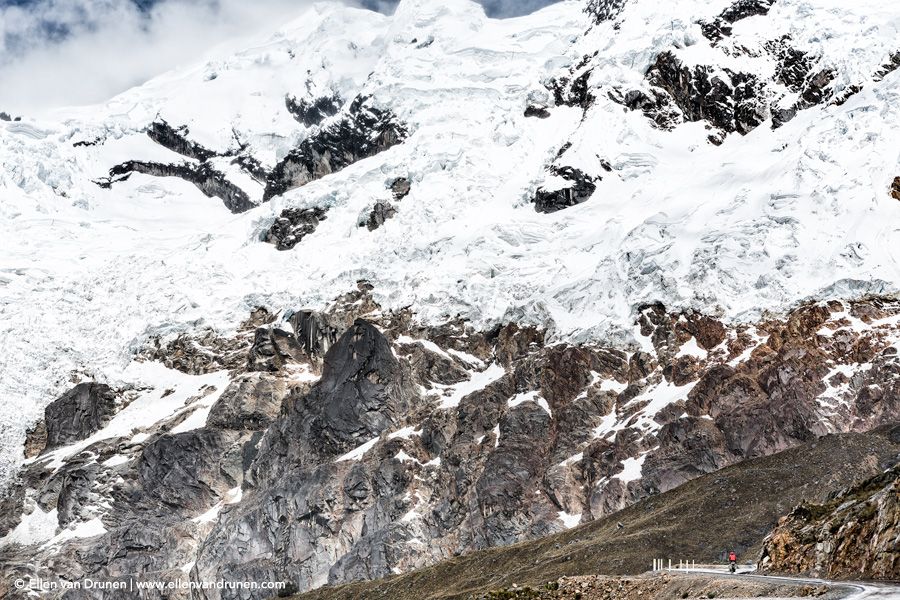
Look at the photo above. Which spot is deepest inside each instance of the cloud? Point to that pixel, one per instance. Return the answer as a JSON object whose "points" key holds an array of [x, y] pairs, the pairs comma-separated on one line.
{"points": [[513, 8], [493, 8], [73, 52]]}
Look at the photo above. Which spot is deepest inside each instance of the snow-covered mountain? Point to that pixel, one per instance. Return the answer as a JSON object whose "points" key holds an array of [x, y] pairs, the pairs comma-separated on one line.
{"points": [[624, 229]]}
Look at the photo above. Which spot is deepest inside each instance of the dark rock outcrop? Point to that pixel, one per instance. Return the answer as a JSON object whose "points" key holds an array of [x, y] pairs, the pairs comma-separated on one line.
{"points": [[176, 140], [293, 225], [574, 90], [889, 67], [535, 110], [206, 178], [741, 9], [187, 471], [733, 101], [381, 212], [604, 10], [364, 131], [316, 332], [86, 143], [701, 94], [76, 494], [249, 403], [656, 105], [203, 174], [206, 351], [363, 391], [579, 189], [303, 504], [797, 71], [400, 188], [273, 349], [895, 188], [313, 112], [78, 413]]}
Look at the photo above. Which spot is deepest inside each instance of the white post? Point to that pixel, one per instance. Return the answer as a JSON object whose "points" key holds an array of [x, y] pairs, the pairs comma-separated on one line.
{"points": [[670, 564]]}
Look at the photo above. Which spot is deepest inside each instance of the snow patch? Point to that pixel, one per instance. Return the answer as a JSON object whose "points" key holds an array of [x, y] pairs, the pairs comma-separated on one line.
{"points": [[405, 433], [632, 469], [34, 528], [691, 348], [478, 381], [569, 521], [534, 396], [358, 452], [85, 529]]}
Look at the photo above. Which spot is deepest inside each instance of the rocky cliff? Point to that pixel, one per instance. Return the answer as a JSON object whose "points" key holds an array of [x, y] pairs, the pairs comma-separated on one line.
{"points": [[854, 535], [355, 444]]}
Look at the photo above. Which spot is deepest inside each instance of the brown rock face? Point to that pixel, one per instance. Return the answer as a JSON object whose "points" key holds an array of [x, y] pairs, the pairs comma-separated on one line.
{"points": [[895, 189], [852, 536], [206, 351], [341, 449], [35, 439]]}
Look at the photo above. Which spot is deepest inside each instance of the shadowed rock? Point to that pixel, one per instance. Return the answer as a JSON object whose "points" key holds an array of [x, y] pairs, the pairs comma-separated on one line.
{"points": [[303, 506], [573, 91], [176, 140], [400, 188], [604, 10], [580, 188], [293, 225], [184, 471], [533, 110], [315, 332], [272, 350], [207, 179], [313, 112], [741, 9], [78, 413], [363, 132], [249, 403], [381, 212], [889, 67], [732, 104]]}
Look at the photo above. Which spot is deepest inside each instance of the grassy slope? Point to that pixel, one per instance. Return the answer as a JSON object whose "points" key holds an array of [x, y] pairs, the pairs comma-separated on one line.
{"points": [[732, 508]]}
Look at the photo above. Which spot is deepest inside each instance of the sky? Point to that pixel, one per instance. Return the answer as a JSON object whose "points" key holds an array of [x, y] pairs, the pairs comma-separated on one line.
{"points": [[73, 52]]}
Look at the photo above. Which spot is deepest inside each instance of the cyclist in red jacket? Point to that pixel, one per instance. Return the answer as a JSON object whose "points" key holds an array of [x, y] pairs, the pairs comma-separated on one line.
{"points": [[732, 558]]}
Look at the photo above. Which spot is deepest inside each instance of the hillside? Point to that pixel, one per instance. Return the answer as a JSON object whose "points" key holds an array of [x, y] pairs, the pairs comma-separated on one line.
{"points": [[852, 535], [733, 508]]}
